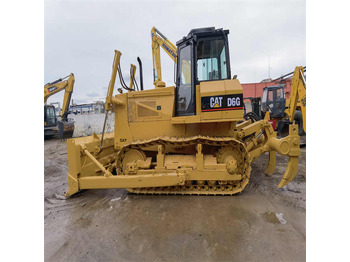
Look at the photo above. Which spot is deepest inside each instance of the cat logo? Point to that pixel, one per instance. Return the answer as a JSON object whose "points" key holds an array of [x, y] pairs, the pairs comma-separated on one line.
{"points": [[216, 102], [222, 103]]}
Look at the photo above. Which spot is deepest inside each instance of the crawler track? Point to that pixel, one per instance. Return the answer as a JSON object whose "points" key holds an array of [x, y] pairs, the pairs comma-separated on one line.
{"points": [[194, 187]]}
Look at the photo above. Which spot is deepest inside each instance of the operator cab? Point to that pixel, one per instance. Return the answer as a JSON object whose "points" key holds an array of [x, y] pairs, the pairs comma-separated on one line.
{"points": [[273, 100], [203, 55], [50, 116], [252, 105]]}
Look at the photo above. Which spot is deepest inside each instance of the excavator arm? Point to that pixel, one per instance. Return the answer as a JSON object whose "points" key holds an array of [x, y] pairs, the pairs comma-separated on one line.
{"points": [[57, 86], [159, 40], [298, 92]]}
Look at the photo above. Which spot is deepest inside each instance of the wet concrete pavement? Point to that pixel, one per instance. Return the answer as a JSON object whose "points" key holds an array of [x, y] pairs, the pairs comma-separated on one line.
{"points": [[263, 223]]}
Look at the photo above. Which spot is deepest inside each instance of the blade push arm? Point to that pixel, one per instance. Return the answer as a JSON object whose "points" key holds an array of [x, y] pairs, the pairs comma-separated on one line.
{"points": [[159, 40]]}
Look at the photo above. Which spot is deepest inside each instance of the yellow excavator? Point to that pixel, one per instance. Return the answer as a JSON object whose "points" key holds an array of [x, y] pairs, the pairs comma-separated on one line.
{"points": [[296, 103], [53, 127], [190, 138], [281, 111]]}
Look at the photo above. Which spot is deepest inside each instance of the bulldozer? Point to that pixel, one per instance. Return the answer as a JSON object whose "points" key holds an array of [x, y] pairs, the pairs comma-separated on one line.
{"points": [[187, 139]]}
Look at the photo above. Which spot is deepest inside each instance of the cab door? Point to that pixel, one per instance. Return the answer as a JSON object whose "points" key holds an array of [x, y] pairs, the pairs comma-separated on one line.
{"points": [[185, 92], [50, 116]]}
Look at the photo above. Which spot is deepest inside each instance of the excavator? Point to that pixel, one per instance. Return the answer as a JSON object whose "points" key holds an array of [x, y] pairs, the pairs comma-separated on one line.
{"points": [[187, 139], [64, 128], [281, 111]]}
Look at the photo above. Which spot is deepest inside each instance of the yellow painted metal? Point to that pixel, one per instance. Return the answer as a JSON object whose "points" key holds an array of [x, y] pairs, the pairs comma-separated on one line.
{"points": [[155, 152], [297, 96], [53, 88], [109, 97], [137, 181], [59, 85], [159, 40], [67, 128]]}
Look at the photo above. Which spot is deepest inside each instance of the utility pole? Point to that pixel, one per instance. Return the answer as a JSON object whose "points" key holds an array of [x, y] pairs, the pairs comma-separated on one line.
{"points": [[269, 65]]}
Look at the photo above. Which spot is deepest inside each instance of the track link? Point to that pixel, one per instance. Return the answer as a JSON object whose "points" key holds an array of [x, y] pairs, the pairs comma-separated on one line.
{"points": [[191, 188]]}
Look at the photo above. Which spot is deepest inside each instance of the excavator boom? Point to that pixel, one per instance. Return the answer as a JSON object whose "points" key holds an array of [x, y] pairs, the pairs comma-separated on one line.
{"points": [[298, 93], [160, 40]]}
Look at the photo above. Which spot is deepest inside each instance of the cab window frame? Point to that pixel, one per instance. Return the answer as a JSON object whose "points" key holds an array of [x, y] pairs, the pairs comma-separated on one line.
{"points": [[227, 55], [191, 109]]}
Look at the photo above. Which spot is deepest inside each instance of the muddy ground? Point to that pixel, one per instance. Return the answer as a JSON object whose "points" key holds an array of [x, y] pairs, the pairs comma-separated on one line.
{"points": [[263, 223]]}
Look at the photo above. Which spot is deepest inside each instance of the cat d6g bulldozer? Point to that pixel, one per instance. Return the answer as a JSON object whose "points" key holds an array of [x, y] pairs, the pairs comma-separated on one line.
{"points": [[190, 138]]}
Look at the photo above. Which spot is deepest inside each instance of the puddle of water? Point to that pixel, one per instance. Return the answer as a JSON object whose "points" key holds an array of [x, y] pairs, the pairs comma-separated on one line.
{"points": [[274, 218], [280, 218]]}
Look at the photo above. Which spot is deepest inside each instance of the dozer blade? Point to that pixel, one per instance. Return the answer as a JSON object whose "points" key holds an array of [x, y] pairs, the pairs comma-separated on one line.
{"points": [[83, 161], [89, 168], [291, 171]]}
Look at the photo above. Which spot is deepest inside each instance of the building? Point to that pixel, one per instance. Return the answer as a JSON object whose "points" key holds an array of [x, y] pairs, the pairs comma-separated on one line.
{"points": [[86, 109], [256, 89]]}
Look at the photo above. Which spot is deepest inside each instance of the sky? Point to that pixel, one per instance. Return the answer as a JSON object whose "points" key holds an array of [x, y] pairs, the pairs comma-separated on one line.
{"points": [[267, 38]]}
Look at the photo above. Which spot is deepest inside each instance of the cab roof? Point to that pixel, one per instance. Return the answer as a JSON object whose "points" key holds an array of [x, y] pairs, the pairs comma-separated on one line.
{"points": [[203, 32]]}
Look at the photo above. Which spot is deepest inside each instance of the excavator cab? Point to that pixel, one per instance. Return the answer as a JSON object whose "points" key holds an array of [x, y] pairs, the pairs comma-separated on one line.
{"points": [[252, 105], [202, 56], [50, 121]]}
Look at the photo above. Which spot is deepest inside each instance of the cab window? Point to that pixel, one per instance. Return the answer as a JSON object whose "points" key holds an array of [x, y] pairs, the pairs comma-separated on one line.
{"points": [[184, 92], [211, 60], [51, 112], [279, 94], [270, 95]]}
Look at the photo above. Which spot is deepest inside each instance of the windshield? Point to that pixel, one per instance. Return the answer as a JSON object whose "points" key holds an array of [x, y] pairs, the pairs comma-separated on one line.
{"points": [[51, 112], [279, 94], [49, 115], [211, 60]]}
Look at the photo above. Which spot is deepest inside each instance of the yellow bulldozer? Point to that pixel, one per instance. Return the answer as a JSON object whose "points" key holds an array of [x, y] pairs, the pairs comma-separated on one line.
{"points": [[190, 138]]}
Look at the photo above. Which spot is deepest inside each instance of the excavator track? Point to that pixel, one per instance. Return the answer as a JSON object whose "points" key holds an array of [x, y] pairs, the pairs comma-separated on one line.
{"points": [[193, 187]]}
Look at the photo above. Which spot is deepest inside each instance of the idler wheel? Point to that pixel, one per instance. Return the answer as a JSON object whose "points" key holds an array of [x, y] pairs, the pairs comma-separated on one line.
{"points": [[130, 157]]}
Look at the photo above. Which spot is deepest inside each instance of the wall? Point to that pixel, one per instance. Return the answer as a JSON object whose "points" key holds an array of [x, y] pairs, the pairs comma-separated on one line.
{"points": [[85, 125], [256, 89]]}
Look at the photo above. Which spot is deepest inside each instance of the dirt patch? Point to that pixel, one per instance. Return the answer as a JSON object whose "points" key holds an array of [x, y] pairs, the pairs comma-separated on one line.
{"points": [[258, 224]]}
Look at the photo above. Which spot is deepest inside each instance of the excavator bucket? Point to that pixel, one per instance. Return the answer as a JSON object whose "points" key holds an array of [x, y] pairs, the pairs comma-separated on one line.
{"points": [[65, 129]]}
